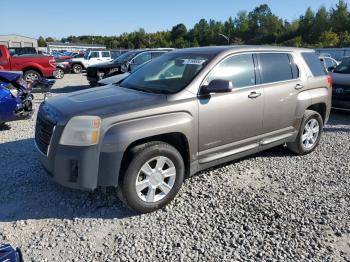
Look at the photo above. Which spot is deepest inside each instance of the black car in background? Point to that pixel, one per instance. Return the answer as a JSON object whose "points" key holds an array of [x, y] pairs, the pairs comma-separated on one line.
{"points": [[341, 86], [124, 63]]}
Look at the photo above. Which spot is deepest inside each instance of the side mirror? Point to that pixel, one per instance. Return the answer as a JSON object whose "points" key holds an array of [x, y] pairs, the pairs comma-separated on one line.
{"points": [[218, 86], [331, 69]]}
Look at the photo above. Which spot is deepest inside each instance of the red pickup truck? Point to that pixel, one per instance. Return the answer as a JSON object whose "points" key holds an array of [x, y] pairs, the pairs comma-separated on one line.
{"points": [[32, 66]]}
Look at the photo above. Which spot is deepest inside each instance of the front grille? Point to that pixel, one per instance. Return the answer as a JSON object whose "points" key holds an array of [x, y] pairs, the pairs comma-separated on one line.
{"points": [[43, 132]]}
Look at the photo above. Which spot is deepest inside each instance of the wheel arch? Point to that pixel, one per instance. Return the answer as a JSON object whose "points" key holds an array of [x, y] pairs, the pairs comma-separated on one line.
{"points": [[176, 139], [36, 69], [320, 108]]}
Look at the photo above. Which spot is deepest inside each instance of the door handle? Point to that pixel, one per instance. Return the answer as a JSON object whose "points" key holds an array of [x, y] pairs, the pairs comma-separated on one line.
{"points": [[299, 86], [254, 95]]}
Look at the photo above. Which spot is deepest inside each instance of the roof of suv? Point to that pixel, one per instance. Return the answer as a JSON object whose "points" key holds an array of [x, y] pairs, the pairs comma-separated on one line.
{"points": [[218, 49]]}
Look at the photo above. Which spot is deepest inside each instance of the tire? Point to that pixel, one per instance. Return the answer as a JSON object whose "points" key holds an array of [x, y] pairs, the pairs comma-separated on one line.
{"points": [[302, 145], [31, 75], [77, 68], [59, 73], [159, 187]]}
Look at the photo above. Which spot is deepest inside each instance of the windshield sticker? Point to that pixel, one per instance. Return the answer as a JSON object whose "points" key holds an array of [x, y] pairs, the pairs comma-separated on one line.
{"points": [[193, 62]]}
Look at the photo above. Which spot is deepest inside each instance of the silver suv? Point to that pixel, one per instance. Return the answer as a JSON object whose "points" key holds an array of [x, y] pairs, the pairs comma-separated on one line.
{"points": [[181, 113]]}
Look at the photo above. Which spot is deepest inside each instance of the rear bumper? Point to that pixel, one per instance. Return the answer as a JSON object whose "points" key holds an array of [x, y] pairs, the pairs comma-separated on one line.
{"points": [[48, 72]]}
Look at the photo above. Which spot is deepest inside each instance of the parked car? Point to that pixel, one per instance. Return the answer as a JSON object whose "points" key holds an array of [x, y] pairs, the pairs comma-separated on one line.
{"points": [[91, 57], [15, 97], [186, 111], [124, 63], [62, 68], [329, 63], [117, 78], [33, 66], [341, 86]]}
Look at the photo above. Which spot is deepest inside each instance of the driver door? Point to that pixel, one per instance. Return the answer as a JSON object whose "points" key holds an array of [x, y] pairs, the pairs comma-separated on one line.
{"points": [[230, 123]]}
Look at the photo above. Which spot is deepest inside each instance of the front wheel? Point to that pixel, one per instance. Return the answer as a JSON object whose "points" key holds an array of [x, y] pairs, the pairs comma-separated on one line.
{"points": [[309, 134], [153, 177]]}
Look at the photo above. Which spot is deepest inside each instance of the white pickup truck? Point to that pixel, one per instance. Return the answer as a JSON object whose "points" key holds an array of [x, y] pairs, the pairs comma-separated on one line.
{"points": [[91, 57]]}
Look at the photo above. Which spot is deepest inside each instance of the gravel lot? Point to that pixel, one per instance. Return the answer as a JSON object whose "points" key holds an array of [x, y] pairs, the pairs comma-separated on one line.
{"points": [[267, 207]]}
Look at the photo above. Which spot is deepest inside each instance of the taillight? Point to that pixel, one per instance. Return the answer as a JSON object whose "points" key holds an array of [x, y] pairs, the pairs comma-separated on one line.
{"points": [[330, 81], [52, 62]]}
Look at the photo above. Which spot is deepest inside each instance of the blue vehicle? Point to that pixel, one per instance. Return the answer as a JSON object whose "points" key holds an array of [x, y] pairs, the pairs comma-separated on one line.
{"points": [[15, 97], [9, 254]]}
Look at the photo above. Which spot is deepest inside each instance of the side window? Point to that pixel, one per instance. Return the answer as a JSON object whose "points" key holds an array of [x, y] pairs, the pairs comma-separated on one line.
{"points": [[94, 55], [315, 65], [0, 54], [275, 67], [157, 54], [295, 68], [239, 69], [105, 54], [142, 58]]}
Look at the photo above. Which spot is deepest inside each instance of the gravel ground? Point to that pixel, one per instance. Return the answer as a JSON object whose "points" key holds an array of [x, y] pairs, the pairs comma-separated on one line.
{"points": [[267, 207]]}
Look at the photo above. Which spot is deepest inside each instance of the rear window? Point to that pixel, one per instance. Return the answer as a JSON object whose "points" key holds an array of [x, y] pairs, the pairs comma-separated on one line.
{"points": [[277, 67], [0, 54], [314, 64]]}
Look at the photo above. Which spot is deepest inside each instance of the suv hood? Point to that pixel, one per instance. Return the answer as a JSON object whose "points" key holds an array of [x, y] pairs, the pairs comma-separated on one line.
{"points": [[106, 65], [104, 101]]}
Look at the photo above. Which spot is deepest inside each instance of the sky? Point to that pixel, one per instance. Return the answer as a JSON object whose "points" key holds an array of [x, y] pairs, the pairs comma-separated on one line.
{"points": [[112, 17]]}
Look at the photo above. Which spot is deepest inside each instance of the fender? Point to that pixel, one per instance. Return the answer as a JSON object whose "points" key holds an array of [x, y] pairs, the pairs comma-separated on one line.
{"points": [[33, 66], [310, 97], [119, 136]]}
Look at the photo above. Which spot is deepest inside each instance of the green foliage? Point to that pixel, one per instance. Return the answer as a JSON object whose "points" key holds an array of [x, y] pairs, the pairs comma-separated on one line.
{"points": [[41, 42], [325, 28]]}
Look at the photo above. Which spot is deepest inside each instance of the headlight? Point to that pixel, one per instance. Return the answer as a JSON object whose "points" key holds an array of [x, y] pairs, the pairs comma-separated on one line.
{"points": [[14, 92], [81, 131]]}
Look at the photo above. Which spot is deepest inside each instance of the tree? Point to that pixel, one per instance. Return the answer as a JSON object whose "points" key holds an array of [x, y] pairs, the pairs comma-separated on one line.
{"points": [[306, 22], [321, 24], [178, 31], [41, 42], [49, 39], [339, 17], [329, 39], [264, 27]]}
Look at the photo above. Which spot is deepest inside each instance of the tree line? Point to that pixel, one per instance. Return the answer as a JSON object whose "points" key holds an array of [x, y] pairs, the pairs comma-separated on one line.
{"points": [[323, 28]]}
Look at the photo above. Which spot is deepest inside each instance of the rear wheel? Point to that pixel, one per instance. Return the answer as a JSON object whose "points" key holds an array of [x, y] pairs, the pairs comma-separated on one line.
{"points": [[59, 74], [31, 75], [309, 134], [77, 69], [153, 177]]}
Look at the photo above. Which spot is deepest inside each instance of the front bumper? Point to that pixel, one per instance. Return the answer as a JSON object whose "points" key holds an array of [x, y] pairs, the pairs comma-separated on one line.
{"points": [[72, 167]]}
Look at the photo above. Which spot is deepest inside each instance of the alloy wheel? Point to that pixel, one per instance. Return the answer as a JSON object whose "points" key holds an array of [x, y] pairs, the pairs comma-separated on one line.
{"points": [[310, 133], [155, 179]]}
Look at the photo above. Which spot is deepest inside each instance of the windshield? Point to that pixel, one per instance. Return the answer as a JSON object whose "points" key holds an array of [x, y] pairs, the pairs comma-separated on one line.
{"points": [[167, 74], [343, 68], [124, 57]]}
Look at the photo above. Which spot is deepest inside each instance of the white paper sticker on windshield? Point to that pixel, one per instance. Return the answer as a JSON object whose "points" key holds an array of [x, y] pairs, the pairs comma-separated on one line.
{"points": [[193, 62]]}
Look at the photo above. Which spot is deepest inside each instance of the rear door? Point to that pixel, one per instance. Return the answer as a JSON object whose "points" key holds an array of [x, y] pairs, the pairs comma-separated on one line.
{"points": [[106, 56], [280, 78]]}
